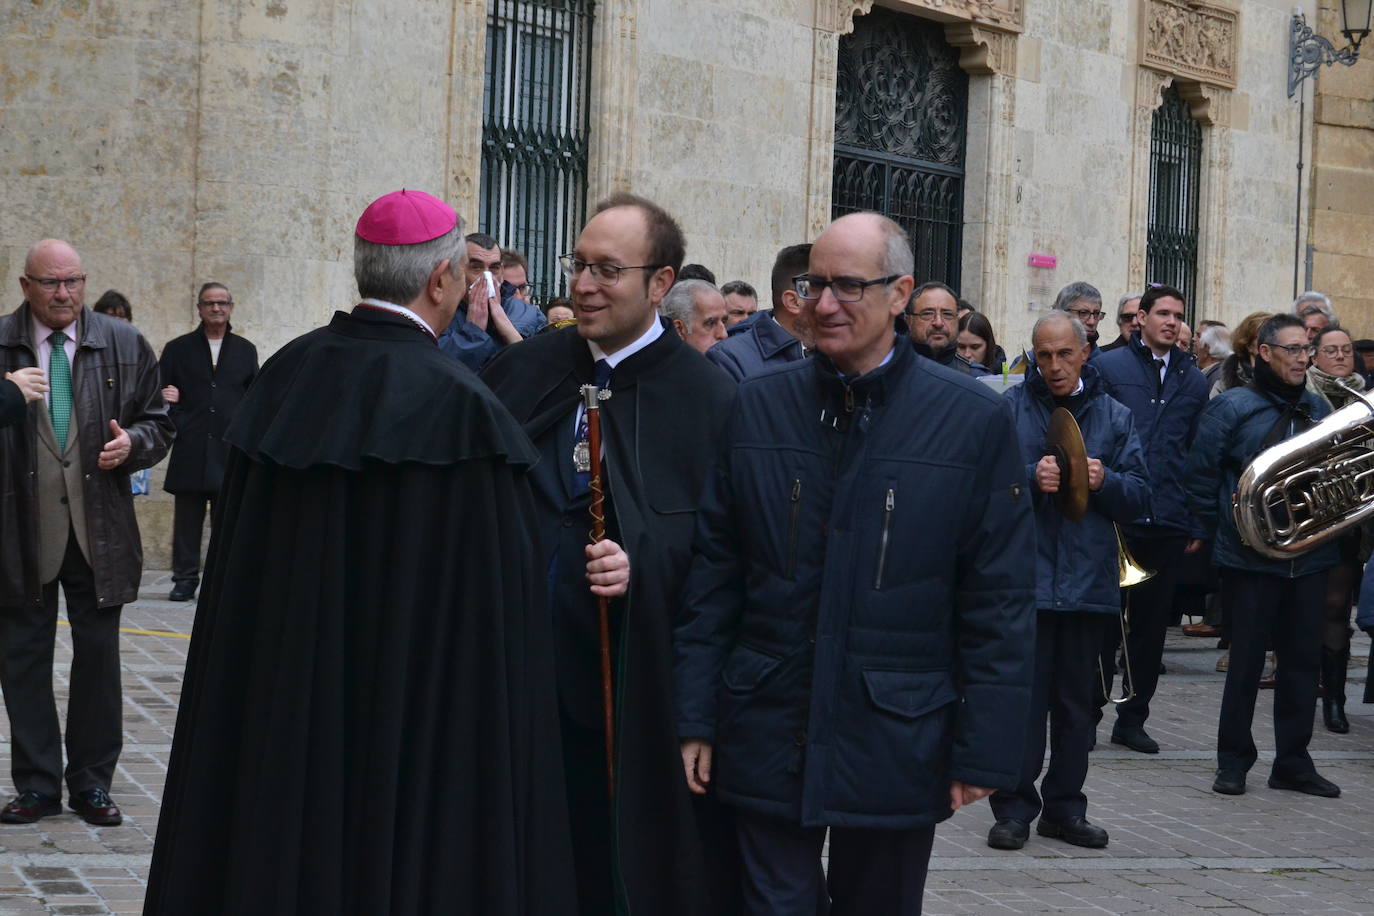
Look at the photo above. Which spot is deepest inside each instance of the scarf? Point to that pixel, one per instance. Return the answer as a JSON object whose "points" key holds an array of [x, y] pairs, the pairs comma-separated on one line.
{"points": [[1336, 390]]}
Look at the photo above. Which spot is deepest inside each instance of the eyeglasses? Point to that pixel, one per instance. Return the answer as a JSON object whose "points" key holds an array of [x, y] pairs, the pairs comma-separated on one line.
{"points": [[929, 315], [211, 303], [1294, 349], [1125, 318], [844, 289], [1085, 314], [1332, 350], [50, 284], [605, 274]]}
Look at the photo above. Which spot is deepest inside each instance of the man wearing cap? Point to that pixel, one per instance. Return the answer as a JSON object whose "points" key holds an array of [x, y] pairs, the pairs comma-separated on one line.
{"points": [[368, 721], [488, 319], [655, 850]]}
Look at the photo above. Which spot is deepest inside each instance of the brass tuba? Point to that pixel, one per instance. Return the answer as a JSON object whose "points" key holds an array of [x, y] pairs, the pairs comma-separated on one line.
{"points": [[1306, 490]]}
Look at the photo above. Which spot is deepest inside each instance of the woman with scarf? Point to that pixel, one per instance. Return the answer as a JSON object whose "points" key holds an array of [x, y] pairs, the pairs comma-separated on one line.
{"points": [[1332, 377]]}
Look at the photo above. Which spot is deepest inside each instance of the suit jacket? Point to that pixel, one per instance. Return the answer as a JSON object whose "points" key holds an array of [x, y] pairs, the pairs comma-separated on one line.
{"points": [[210, 395]]}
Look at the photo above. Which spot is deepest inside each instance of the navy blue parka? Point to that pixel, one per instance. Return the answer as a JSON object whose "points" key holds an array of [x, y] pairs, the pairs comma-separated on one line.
{"points": [[1166, 421], [755, 344], [858, 628], [1076, 567]]}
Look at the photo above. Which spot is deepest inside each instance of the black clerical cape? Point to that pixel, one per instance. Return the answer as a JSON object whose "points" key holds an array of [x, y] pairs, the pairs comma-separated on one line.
{"points": [[368, 723], [660, 430]]}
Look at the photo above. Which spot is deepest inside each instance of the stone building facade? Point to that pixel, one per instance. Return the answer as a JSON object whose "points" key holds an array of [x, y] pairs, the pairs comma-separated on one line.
{"points": [[238, 140]]}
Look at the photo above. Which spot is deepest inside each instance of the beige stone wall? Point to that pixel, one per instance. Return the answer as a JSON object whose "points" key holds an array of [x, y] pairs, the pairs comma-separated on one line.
{"points": [[237, 140], [1342, 200]]}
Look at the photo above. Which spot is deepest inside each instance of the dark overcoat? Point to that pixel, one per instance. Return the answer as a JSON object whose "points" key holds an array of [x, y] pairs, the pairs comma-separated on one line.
{"points": [[210, 395], [859, 626], [368, 725], [660, 431]]}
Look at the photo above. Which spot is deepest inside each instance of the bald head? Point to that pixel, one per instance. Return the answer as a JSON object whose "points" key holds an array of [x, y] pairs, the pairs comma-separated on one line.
{"points": [[53, 284], [879, 231]]}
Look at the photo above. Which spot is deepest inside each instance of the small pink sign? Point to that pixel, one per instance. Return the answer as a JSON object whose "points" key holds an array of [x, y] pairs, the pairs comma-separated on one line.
{"points": [[1044, 260]]}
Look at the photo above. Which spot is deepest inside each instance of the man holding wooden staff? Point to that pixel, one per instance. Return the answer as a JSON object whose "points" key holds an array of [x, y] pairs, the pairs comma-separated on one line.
{"points": [[652, 847]]}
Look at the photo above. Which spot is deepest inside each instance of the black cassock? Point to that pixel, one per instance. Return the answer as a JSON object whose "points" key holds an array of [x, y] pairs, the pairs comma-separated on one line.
{"points": [[672, 851], [368, 723]]}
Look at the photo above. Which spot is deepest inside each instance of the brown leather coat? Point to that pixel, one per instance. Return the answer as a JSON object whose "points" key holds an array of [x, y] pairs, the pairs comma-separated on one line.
{"points": [[114, 377]]}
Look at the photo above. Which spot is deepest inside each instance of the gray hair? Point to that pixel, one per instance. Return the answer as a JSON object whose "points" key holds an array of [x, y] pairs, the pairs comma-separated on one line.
{"points": [[397, 273], [1080, 333], [898, 258], [681, 299], [1312, 302], [1217, 340], [1077, 291], [1121, 303]]}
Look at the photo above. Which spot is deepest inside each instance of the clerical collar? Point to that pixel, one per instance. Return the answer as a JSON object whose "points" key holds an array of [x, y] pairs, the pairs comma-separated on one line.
{"points": [[402, 311], [625, 352]]}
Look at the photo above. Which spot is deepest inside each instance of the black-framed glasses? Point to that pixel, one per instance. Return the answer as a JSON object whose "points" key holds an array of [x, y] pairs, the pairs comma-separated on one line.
{"points": [[1085, 314], [50, 284], [950, 317], [844, 289], [1294, 349], [605, 274]]}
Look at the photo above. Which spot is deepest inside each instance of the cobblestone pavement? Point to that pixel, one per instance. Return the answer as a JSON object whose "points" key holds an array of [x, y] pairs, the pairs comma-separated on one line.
{"points": [[1176, 847]]}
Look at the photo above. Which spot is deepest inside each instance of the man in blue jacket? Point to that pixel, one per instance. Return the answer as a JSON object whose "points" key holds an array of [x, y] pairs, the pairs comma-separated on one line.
{"points": [[1278, 602], [485, 324], [1165, 391], [855, 644], [773, 337], [1076, 593]]}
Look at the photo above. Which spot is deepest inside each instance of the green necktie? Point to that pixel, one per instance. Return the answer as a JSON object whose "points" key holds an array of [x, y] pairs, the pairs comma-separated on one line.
{"points": [[59, 388]]}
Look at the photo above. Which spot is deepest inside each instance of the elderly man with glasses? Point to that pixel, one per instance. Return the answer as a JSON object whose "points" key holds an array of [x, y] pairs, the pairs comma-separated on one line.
{"points": [[205, 375], [1273, 602], [1084, 302], [856, 644], [1127, 321], [655, 849], [67, 519]]}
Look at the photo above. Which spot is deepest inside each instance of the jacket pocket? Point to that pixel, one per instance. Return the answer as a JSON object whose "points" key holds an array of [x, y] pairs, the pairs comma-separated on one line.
{"points": [[747, 668], [909, 694]]}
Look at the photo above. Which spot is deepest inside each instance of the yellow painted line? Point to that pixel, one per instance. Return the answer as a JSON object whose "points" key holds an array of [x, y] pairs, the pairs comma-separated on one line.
{"points": [[143, 632]]}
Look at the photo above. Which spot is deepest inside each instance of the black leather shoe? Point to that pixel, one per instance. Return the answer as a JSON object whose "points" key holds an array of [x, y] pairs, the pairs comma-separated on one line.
{"points": [[1135, 739], [182, 592], [1008, 833], [1229, 782], [1308, 783], [29, 807], [1075, 830], [94, 806]]}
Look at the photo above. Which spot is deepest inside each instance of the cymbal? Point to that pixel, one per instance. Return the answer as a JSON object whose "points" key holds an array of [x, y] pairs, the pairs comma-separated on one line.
{"points": [[1065, 444]]}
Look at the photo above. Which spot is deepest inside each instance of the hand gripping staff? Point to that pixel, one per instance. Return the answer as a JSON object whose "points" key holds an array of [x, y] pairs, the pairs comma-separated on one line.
{"points": [[591, 398]]}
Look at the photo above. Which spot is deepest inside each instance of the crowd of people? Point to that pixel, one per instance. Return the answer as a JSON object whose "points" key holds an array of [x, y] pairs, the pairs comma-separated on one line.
{"points": [[839, 594]]}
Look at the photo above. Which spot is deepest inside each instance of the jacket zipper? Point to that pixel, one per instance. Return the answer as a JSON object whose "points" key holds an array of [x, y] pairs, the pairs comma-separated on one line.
{"points": [[792, 529], [882, 542]]}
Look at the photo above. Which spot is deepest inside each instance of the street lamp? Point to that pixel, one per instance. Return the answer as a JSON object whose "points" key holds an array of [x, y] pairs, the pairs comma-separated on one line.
{"points": [[1308, 51]]}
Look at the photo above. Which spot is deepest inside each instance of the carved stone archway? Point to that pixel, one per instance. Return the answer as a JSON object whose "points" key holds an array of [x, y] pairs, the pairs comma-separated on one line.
{"points": [[985, 31], [1192, 44]]}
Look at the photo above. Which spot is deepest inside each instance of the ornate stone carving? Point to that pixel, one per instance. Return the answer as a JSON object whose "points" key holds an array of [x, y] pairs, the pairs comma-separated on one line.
{"points": [[1007, 15], [982, 50], [1191, 39]]}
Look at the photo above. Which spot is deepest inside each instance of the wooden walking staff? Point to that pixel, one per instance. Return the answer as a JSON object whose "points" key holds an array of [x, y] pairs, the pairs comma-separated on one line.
{"points": [[591, 398]]}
